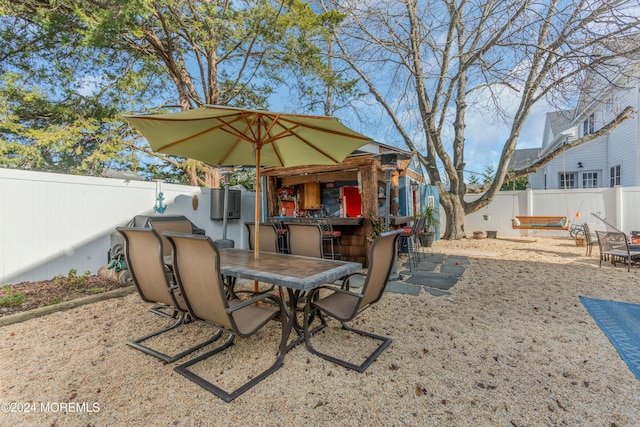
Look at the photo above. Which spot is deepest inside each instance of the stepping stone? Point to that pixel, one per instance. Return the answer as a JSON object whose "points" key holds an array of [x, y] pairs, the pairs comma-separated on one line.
{"points": [[426, 266], [434, 292], [453, 270], [403, 288], [436, 258], [453, 259], [433, 280]]}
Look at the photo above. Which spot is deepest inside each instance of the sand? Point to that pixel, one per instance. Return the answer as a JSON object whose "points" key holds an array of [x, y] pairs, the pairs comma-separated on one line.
{"points": [[512, 345]]}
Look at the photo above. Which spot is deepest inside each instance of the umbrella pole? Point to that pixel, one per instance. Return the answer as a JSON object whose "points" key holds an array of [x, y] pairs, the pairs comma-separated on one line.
{"points": [[256, 236]]}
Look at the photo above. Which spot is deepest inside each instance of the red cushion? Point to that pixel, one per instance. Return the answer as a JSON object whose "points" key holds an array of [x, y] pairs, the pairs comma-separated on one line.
{"points": [[332, 233]]}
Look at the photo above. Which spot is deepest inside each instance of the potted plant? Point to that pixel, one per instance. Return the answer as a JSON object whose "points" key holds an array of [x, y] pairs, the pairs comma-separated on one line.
{"points": [[431, 223]]}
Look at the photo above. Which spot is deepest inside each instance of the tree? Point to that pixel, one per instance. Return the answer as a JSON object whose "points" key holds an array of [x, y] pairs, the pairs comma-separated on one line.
{"points": [[429, 63], [511, 184], [159, 56]]}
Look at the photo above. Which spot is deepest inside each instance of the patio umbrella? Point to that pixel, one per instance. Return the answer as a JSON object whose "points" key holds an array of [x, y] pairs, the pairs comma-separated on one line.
{"points": [[225, 136]]}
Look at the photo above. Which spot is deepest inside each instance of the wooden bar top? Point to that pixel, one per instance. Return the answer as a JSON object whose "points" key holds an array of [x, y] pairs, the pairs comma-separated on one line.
{"points": [[311, 220]]}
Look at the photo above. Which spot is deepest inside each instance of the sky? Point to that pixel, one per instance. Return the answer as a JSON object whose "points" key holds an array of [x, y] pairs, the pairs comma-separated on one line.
{"points": [[485, 134]]}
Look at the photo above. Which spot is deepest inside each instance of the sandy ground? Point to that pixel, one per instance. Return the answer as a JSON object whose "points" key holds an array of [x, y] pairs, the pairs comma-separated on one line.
{"points": [[511, 346]]}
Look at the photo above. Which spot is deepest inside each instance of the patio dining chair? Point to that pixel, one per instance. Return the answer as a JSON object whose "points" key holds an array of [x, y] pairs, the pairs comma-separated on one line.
{"points": [[305, 240], [196, 261], [269, 242], [615, 246], [154, 282], [590, 239], [268, 237], [344, 305], [179, 226], [160, 226]]}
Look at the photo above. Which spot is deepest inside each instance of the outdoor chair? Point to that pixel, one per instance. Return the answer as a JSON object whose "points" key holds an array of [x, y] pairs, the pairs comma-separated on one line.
{"points": [[268, 237], [615, 246], [344, 305], [409, 241], [305, 240], [154, 282], [331, 237], [196, 261], [180, 226], [269, 242], [590, 239], [282, 231], [160, 226]]}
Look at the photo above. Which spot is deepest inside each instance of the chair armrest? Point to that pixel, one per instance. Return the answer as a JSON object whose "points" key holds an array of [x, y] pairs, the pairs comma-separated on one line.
{"points": [[334, 289], [345, 281], [255, 299]]}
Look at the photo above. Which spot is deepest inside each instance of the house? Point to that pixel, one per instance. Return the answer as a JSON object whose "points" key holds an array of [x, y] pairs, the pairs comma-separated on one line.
{"points": [[608, 160]]}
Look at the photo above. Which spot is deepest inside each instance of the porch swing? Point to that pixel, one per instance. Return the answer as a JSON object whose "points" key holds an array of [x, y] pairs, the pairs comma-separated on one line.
{"points": [[541, 222]]}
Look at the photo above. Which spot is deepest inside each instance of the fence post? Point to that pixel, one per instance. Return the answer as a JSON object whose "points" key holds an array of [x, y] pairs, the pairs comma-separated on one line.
{"points": [[619, 204], [530, 202]]}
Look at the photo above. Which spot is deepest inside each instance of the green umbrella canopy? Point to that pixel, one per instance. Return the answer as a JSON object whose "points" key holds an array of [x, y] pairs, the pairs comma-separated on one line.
{"points": [[224, 136]]}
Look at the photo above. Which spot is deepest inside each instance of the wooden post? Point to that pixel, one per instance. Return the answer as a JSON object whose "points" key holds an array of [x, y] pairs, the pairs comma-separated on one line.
{"points": [[369, 196]]}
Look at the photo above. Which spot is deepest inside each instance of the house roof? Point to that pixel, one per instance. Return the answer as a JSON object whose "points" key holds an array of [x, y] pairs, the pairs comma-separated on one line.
{"points": [[523, 157], [560, 120]]}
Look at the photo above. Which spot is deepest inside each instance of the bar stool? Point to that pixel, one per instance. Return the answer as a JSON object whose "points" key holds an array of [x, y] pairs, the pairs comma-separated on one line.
{"points": [[408, 242], [282, 231], [332, 237]]}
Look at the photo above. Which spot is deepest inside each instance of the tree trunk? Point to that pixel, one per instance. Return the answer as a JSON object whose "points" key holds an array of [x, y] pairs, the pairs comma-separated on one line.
{"points": [[454, 214]]}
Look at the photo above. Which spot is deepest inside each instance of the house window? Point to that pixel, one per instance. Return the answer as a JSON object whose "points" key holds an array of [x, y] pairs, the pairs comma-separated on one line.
{"points": [[588, 126], [568, 180], [590, 180], [615, 176], [609, 104]]}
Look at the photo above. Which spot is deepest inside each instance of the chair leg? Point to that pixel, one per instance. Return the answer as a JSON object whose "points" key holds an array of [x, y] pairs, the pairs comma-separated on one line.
{"points": [[334, 254], [339, 253], [161, 310], [384, 343], [229, 396], [137, 343]]}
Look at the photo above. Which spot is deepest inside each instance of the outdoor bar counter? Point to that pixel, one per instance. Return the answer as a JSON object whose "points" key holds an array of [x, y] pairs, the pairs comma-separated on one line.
{"points": [[354, 238], [335, 221], [352, 194]]}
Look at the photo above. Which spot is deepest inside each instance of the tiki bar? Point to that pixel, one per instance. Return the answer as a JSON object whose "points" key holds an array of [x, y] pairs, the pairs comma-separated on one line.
{"points": [[351, 196]]}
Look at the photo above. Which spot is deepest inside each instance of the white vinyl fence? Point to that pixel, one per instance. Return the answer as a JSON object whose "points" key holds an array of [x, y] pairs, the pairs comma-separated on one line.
{"points": [[53, 223], [618, 205]]}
